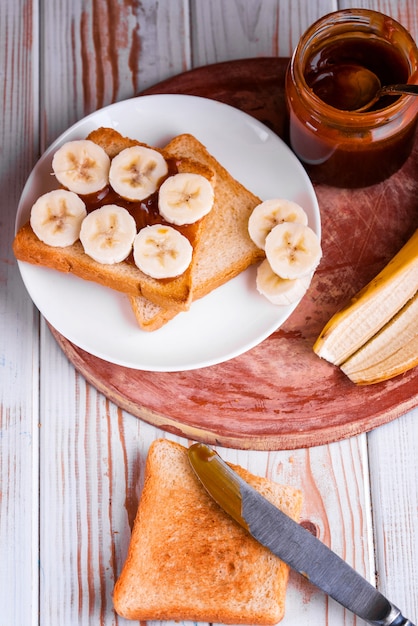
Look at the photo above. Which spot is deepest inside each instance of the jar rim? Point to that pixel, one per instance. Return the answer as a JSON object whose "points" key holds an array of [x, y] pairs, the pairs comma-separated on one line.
{"points": [[356, 18]]}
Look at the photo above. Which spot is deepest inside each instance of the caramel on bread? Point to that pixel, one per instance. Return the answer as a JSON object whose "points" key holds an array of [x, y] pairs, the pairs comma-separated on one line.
{"points": [[125, 276], [188, 560]]}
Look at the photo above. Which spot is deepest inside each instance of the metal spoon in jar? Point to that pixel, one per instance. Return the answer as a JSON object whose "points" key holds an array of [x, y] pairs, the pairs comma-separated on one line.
{"points": [[369, 89]]}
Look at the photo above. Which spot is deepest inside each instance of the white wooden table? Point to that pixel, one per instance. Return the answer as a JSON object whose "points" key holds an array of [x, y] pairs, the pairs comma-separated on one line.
{"points": [[71, 461]]}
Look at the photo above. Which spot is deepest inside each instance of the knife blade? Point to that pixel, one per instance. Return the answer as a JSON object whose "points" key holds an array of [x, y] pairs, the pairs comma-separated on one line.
{"points": [[292, 543]]}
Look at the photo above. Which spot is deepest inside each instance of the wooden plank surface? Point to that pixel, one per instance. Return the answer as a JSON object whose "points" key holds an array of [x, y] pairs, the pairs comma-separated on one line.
{"points": [[60, 61], [393, 449], [19, 340]]}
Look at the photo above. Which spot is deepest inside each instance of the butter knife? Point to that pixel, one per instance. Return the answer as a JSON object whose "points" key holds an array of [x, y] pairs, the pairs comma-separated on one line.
{"points": [[291, 542]]}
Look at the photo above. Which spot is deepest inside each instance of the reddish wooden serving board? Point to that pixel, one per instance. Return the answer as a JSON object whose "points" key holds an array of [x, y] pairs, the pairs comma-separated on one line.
{"points": [[280, 395]]}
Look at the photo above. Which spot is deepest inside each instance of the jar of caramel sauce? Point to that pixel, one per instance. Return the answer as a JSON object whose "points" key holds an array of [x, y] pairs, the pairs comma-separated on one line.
{"points": [[337, 145]]}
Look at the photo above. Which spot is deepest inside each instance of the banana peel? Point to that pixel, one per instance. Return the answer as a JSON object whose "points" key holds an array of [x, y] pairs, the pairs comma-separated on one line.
{"points": [[375, 337]]}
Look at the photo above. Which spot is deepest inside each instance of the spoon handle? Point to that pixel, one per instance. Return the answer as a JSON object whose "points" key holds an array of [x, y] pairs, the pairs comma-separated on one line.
{"points": [[401, 89]]}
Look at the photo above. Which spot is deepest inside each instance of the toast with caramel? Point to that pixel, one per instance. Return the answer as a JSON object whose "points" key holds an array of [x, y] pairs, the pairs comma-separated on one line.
{"points": [[125, 277], [188, 560], [221, 244]]}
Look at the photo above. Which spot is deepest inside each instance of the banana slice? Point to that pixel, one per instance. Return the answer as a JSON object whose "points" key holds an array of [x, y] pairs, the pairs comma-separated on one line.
{"points": [[162, 252], [269, 213], [280, 291], [293, 250], [81, 166], [107, 234], [185, 198], [56, 217], [135, 172]]}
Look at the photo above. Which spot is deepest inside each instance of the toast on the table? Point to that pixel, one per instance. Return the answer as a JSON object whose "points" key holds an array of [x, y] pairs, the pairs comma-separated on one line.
{"points": [[125, 277], [225, 248], [188, 560]]}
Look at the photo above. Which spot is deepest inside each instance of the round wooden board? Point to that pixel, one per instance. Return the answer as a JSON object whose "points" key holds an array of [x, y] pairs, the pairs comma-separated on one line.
{"points": [[280, 395]]}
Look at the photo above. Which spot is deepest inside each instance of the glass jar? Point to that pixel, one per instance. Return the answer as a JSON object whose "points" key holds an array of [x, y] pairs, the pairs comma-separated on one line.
{"points": [[341, 147]]}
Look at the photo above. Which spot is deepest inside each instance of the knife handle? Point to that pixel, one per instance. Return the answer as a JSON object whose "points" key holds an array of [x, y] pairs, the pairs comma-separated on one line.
{"points": [[395, 618]]}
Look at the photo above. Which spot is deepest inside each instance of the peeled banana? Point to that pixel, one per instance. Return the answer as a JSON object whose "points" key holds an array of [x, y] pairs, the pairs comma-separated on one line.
{"points": [[374, 337], [393, 350]]}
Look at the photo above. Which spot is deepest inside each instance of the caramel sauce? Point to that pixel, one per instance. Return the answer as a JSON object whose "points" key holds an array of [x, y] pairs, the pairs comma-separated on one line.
{"points": [[356, 154], [145, 212], [323, 68]]}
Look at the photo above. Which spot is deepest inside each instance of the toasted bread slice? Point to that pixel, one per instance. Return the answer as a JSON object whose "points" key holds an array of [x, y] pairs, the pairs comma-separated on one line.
{"points": [[225, 248], [188, 560], [124, 277], [151, 316]]}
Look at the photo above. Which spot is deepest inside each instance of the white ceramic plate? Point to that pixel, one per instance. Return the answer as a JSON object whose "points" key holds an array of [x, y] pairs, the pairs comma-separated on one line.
{"points": [[227, 322]]}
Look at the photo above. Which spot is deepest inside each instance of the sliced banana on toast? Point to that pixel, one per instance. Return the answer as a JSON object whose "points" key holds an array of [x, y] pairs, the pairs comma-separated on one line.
{"points": [[185, 198], [136, 172], [107, 234], [162, 251], [56, 217], [81, 166]]}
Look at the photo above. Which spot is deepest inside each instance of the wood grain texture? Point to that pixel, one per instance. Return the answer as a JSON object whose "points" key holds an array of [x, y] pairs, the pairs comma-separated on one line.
{"points": [[104, 52], [58, 61], [394, 488], [19, 347], [223, 31]]}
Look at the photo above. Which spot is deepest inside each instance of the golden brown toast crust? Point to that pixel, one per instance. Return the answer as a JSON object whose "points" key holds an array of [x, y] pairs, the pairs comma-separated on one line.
{"points": [[124, 277], [188, 560]]}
